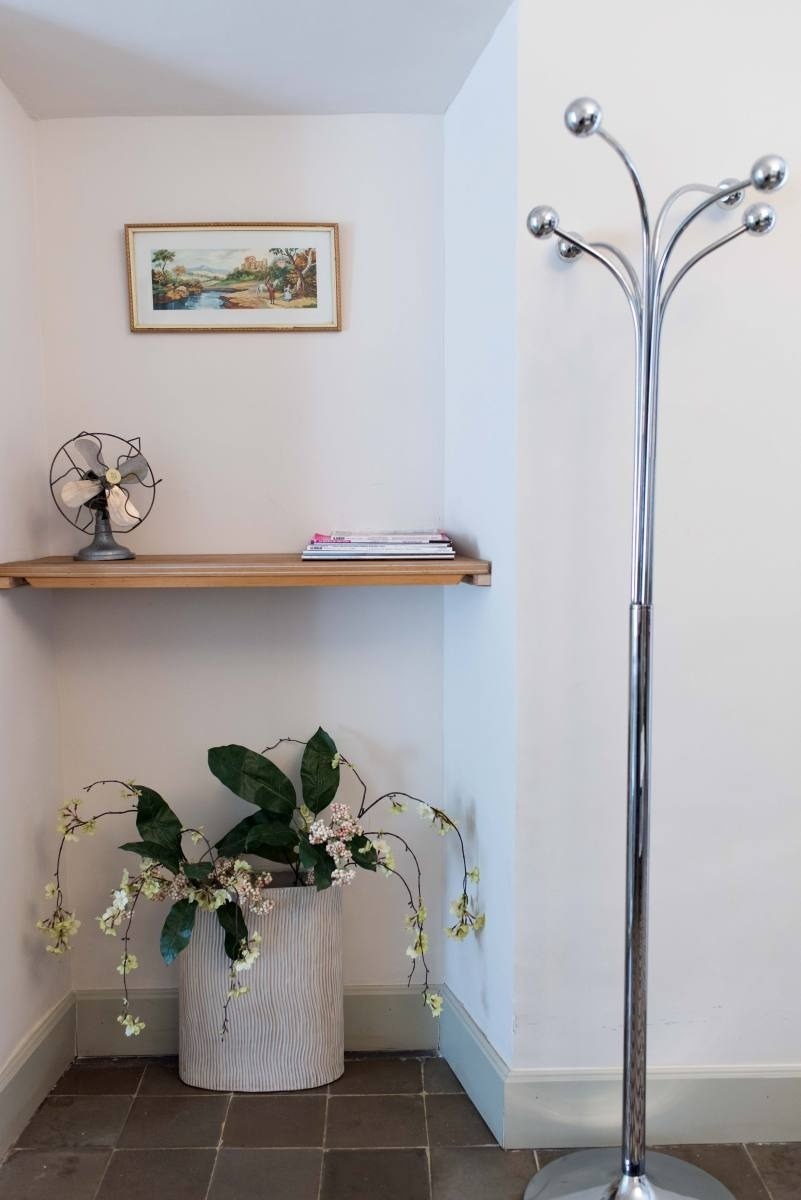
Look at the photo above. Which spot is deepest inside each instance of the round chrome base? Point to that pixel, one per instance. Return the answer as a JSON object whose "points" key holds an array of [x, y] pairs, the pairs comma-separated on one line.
{"points": [[596, 1175]]}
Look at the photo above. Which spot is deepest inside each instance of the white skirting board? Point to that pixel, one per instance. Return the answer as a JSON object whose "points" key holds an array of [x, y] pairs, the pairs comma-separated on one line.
{"points": [[583, 1108], [84, 1025], [34, 1067], [523, 1108], [376, 1018]]}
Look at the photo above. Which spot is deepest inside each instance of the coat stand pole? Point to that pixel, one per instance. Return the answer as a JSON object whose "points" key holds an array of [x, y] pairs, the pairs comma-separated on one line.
{"points": [[619, 1174]]}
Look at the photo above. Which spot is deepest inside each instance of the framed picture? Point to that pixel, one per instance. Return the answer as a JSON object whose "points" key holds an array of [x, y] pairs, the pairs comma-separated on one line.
{"points": [[233, 277]]}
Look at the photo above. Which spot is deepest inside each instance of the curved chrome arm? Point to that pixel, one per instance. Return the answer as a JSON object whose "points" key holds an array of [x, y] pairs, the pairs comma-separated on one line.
{"points": [[638, 188], [636, 180], [740, 186], [627, 263], [696, 258], [588, 248], [671, 200]]}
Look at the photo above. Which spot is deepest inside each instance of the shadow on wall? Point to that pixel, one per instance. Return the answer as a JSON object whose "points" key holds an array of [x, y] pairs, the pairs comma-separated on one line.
{"points": [[30, 45], [241, 58]]}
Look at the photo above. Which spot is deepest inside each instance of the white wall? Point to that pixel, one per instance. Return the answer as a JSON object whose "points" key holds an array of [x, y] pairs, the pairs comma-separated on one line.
{"points": [[536, 449], [480, 507], [260, 440], [726, 885], [30, 981]]}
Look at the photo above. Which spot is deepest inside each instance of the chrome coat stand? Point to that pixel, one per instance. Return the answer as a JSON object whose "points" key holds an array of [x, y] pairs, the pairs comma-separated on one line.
{"points": [[606, 1174]]}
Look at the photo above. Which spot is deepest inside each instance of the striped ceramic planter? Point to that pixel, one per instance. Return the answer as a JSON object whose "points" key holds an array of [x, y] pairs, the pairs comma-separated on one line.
{"points": [[288, 1031]]}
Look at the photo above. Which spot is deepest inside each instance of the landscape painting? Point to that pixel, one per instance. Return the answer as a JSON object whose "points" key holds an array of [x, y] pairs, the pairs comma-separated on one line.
{"points": [[256, 278], [233, 277]]}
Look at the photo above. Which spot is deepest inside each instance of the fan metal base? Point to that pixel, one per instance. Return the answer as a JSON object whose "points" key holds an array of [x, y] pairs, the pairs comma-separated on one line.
{"points": [[93, 553], [596, 1175], [103, 546]]}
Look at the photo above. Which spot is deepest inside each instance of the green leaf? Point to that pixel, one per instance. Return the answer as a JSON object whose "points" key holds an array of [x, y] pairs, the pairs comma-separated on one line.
{"points": [[323, 872], [233, 842], [277, 854], [315, 858], [272, 832], [236, 931], [307, 854], [319, 779], [198, 871], [166, 855], [364, 853], [254, 778], [177, 929], [156, 821], [276, 835], [276, 843]]}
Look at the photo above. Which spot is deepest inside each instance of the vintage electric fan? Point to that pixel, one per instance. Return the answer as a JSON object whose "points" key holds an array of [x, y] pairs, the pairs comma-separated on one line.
{"points": [[102, 482]]}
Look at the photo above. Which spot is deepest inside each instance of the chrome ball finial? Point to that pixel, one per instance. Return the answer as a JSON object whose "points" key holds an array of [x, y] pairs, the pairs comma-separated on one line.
{"points": [[542, 221], [734, 198], [567, 251], [759, 218], [583, 116], [769, 173]]}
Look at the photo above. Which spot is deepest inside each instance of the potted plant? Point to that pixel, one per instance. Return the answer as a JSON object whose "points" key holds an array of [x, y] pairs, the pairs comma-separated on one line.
{"points": [[235, 925]]}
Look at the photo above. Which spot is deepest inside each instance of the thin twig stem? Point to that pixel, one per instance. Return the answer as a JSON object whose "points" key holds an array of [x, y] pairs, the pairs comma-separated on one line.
{"points": [[415, 908], [125, 939]]}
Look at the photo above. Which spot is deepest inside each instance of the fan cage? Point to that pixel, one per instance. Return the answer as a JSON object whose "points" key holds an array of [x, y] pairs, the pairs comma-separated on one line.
{"points": [[64, 467]]}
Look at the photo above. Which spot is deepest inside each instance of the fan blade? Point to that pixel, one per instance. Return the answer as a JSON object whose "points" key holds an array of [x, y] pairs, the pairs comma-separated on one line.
{"points": [[89, 450], [134, 467], [121, 508], [76, 492]]}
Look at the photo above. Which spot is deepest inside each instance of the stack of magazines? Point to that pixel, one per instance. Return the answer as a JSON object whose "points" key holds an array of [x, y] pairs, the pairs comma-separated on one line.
{"points": [[339, 544]]}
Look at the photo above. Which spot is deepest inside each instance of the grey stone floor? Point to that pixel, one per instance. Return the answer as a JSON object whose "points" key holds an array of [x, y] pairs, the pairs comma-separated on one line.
{"points": [[389, 1129]]}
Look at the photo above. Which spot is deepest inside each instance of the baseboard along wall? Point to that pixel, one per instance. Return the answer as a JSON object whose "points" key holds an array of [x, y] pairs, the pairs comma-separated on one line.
{"points": [[34, 1067], [522, 1108], [583, 1108], [376, 1018], [84, 1025]]}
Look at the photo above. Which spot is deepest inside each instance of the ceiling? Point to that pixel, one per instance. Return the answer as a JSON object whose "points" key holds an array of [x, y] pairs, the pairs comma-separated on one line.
{"points": [[93, 58]]}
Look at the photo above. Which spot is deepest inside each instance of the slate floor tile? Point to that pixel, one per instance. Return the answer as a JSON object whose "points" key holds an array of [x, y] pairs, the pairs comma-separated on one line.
{"points": [[375, 1175], [547, 1156], [275, 1121], [453, 1121], [438, 1077], [730, 1165], [475, 1173], [277, 1174], [174, 1122], [76, 1123], [100, 1079], [161, 1079], [43, 1175], [379, 1076], [143, 1174], [779, 1165], [322, 1090], [375, 1122], [127, 1128]]}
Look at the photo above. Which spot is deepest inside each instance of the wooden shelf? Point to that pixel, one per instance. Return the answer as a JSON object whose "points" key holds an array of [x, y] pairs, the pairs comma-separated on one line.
{"points": [[241, 571]]}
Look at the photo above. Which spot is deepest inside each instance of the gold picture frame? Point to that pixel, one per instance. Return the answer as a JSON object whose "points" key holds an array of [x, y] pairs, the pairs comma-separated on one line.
{"points": [[233, 277]]}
